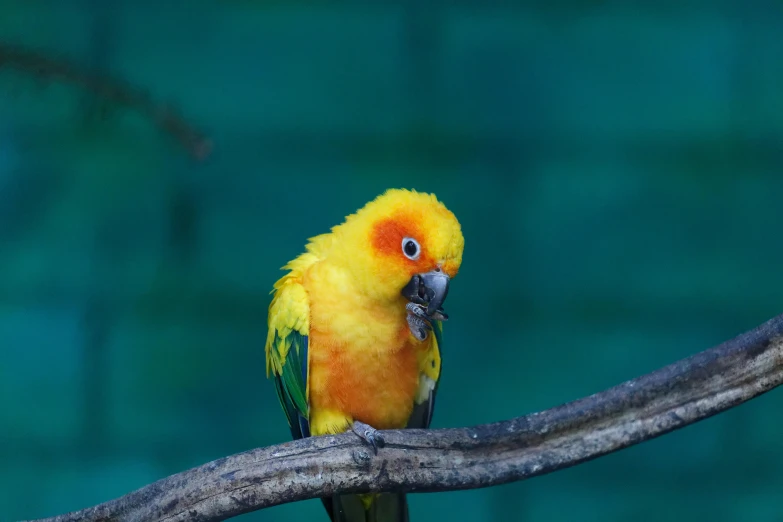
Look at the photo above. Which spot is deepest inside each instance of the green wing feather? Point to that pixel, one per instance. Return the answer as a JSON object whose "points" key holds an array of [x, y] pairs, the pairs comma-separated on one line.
{"points": [[286, 352]]}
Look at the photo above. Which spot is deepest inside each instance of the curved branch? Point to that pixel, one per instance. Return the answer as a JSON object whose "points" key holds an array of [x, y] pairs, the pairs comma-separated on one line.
{"points": [[165, 117], [451, 459]]}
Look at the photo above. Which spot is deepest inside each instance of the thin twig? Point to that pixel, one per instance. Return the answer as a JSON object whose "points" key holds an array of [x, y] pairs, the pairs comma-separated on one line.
{"points": [[56, 69], [464, 458]]}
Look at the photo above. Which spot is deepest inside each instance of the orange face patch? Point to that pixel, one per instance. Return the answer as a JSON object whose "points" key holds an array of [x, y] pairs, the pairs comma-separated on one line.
{"points": [[387, 236]]}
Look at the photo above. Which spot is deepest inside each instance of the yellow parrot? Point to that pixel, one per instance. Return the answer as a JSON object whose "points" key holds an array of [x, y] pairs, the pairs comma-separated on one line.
{"points": [[355, 329]]}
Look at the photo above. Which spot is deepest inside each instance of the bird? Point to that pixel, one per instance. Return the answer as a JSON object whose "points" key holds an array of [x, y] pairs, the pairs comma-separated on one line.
{"points": [[355, 330]]}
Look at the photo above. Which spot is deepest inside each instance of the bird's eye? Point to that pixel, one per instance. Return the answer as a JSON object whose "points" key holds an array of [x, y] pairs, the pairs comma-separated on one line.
{"points": [[411, 249]]}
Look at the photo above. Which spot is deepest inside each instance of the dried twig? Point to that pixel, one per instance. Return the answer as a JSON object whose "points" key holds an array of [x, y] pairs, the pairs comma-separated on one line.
{"points": [[56, 69], [452, 459]]}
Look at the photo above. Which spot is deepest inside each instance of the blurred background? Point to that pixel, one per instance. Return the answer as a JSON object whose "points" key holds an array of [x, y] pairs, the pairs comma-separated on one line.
{"points": [[617, 172]]}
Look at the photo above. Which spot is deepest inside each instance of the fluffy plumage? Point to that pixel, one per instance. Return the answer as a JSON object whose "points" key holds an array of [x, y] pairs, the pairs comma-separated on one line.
{"points": [[339, 345]]}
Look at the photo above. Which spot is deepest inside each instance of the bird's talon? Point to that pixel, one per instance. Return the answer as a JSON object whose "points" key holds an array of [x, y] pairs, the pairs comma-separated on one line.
{"points": [[420, 310], [418, 322], [368, 434], [417, 309], [440, 315]]}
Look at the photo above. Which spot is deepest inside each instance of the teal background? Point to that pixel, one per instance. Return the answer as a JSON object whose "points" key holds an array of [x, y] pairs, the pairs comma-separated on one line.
{"points": [[617, 170]]}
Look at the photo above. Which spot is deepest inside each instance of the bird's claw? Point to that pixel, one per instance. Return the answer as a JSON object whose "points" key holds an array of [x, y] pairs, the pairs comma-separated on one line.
{"points": [[440, 315], [420, 310], [418, 327], [368, 434], [419, 322]]}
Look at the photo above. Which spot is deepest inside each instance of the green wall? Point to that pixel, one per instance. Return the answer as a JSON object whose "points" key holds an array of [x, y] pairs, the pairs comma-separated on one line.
{"points": [[617, 172]]}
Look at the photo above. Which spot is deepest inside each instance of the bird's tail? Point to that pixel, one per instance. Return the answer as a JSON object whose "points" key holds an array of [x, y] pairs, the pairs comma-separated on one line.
{"points": [[384, 507]]}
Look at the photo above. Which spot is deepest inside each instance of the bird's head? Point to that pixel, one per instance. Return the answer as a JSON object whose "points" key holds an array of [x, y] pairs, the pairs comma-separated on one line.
{"points": [[403, 243]]}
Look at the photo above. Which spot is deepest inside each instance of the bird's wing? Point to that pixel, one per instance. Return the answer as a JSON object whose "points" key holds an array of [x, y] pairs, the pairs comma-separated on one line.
{"points": [[429, 368], [286, 350]]}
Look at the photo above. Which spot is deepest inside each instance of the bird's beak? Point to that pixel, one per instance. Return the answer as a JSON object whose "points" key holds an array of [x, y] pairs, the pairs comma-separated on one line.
{"points": [[430, 289]]}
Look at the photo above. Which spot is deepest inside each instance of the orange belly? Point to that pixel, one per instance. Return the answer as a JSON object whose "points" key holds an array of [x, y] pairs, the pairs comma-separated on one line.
{"points": [[376, 388]]}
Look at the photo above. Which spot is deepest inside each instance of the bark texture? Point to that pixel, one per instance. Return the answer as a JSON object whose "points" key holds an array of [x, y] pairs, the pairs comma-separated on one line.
{"points": [[463, 458]]}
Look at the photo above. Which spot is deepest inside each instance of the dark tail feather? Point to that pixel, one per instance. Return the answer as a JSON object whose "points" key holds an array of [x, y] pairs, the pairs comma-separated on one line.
{"points": [[387, 507]]}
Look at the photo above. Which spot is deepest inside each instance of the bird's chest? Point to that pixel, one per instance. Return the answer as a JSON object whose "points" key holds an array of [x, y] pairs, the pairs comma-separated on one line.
{"points": [[363, 367], [363, 361], [375, 386]]}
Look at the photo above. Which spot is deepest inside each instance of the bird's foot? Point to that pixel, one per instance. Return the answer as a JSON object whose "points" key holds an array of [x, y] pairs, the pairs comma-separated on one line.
{"points": [[419, 322], [420, 310], [368, 434]]}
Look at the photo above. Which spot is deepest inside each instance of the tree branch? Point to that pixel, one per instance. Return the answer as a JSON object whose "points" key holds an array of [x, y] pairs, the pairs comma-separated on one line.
{"points": [[464, 458], [114, 91]]}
